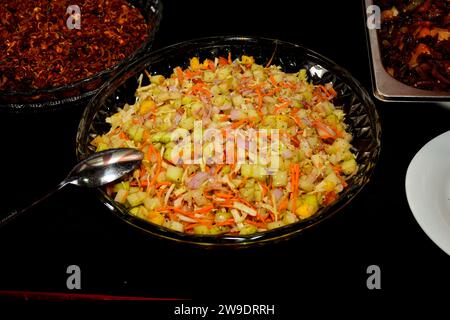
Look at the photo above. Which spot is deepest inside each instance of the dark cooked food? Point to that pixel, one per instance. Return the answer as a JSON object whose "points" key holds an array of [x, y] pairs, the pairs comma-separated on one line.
{"points": [[38, 49], [415, 44]]}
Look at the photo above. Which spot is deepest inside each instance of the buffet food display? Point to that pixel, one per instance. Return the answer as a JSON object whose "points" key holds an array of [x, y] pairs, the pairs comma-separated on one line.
{"points": [[273, 149]]}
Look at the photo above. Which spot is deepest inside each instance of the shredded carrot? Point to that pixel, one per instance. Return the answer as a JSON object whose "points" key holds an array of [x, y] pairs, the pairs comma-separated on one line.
{"points": [[211, 65], [164, 183], [191, 74], [283, 204], [273, 81], [160, 193], [282, 106], [264, 188], [180, 75], [123, 136], [223, 61], [228, 222], [224, 195], [218, 168], [238, 123], [295, 175], [158, 167], [204, 209], [199, 88]]}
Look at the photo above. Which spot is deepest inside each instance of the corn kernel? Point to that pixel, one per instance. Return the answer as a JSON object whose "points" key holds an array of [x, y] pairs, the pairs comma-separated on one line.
{"points": [[195, 63], [247, 60], [146, 106]]}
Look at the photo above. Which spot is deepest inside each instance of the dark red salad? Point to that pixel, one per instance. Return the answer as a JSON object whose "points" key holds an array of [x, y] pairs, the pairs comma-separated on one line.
{"points": [[415, 44], [39, 49]]}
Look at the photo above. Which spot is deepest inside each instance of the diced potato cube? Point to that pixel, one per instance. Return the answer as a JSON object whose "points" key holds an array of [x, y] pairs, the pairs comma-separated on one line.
{"points": [[309, 205], [156, 218], [146, 106]]}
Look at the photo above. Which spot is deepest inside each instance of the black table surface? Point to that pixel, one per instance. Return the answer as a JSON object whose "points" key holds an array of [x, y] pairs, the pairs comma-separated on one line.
{"points": [[73, 227]]}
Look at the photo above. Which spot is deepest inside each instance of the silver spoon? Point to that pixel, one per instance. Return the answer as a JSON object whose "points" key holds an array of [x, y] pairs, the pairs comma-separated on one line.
{"points": [[97, 170]]}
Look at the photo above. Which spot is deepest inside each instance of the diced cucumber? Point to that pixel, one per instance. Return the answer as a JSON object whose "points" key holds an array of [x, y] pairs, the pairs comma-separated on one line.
{"points": [[222, 216], [122, 185], [187, 123], [121, 196], [201, 229], [237, 100], [219, 229], [349, 166], [280, 178], [253, 171], [275, 224], [223, 72], [139, 134], [174, 173], [248, 229], [151, 203], [208, 76], [136, 199], [246, 170], [175, 225]]}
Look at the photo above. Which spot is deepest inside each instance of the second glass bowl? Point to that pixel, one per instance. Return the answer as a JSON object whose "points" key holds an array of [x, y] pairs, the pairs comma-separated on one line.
{"points": [[79, 92]]}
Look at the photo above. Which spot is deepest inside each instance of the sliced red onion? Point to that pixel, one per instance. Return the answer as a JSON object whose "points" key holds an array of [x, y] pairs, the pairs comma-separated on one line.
{"points": [[215, 110], [287, 154], [235, 114], [196, 181], [246, 92], [177, 118], [225, 106], [307, 121], [277, 193]]}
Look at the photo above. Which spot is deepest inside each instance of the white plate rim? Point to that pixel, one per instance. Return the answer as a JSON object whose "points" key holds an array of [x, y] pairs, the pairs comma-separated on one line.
{"points": [[410, 174]]}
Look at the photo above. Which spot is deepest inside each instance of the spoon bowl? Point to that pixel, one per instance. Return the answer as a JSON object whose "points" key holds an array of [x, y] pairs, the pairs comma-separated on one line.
{"points": [[96, 170], [104, 167]]}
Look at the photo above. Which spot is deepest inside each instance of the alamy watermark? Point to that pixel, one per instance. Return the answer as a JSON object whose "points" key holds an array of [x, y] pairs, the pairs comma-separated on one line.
{"points": [[373, 17], [374, 280], [74, 279], [224, 146], [74, 19]]}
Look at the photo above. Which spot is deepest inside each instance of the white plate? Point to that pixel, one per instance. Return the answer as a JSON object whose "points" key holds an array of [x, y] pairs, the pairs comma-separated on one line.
{"points": [[428, 189]]}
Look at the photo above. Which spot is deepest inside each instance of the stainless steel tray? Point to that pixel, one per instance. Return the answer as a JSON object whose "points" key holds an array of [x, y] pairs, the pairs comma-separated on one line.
{"points": [[387, 88]]}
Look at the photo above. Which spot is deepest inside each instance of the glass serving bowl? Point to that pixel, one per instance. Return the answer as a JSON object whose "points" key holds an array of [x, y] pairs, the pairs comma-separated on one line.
{"points": [[361, 117], [79, 92]]}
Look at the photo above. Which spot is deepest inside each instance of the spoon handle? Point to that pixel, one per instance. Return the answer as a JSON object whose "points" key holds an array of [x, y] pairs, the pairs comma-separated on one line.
{"points": [[15, 213]]}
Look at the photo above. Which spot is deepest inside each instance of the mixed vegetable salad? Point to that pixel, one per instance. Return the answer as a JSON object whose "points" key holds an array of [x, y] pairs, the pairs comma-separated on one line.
{"points": [[241, 191]]}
